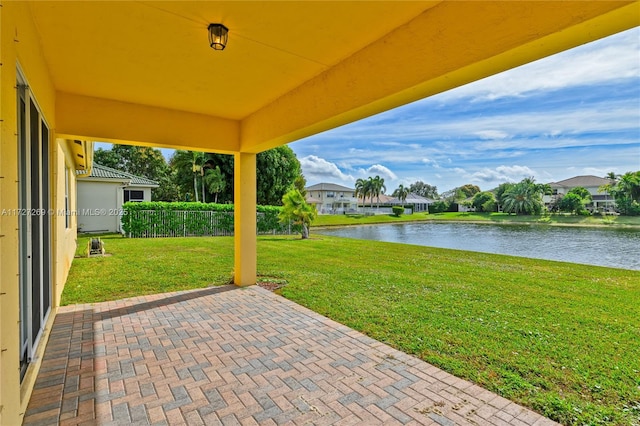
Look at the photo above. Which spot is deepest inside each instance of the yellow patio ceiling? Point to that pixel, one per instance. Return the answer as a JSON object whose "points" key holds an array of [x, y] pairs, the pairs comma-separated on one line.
{"points": [[157, 53], [291, 68]]}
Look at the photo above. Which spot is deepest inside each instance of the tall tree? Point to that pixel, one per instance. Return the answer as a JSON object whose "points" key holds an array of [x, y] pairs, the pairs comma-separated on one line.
{"points": [[401, 193], [469, 190], [214, 181], [186, 166], [499, 192], [377, 188], [525, 197], [277, 170], [460, 193], [424, 190], [612, 176], [140, 161], [484, 201], [626, 192], [363, 189]]}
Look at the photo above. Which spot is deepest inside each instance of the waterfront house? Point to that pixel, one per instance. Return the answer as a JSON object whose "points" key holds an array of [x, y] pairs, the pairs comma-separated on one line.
{"points": [[602, 201], [383, 204], [331, 198]]}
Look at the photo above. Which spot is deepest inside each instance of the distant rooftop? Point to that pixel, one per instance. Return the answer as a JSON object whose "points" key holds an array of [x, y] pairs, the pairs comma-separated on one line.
{"points": [[99, 171], [328, 187], [583, 181]]}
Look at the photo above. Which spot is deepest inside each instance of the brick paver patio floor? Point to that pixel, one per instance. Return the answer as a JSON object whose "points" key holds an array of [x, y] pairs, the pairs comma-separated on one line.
{"points": [[229, 355]]}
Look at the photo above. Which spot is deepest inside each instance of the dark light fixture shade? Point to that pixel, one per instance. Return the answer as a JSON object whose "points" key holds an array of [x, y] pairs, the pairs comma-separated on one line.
{"points": [[218, 36]]}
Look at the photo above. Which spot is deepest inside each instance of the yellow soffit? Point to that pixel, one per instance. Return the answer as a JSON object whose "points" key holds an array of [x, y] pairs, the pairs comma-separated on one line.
{"points": [[82, 153], [448, 46]]}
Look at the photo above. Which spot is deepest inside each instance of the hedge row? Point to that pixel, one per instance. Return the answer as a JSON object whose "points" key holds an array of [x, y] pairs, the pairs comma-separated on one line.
{"points": [[181, 219]]}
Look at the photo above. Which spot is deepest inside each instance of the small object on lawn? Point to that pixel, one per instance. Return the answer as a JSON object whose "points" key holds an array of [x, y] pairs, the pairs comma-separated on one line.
{"points": [[95, 247]]}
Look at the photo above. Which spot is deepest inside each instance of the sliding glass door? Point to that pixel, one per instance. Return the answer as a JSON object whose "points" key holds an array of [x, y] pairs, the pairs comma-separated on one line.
{"points": [[34, 222]]}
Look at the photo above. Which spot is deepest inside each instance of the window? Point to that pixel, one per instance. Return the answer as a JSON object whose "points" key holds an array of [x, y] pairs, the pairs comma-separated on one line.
{"points": [[133, 195], [330, 195]]}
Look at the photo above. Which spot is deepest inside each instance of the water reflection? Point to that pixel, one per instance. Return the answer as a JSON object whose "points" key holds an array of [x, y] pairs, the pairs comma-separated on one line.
{"points": [[618, 248]]}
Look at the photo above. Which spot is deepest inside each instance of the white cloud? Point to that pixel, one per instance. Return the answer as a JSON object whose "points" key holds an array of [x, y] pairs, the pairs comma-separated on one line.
{"points": [[612, 59], [382, 171], [431, 162], [316, 169], [513, 173], [491, 134]]}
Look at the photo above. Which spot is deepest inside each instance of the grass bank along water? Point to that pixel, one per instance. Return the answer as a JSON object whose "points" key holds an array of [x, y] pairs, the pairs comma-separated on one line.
{"points": [[560, 338], [503, 218]]}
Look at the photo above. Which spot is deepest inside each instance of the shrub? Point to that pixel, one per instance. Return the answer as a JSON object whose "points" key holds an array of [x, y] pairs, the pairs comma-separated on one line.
{"points": [[397, 210], [439, 207]]}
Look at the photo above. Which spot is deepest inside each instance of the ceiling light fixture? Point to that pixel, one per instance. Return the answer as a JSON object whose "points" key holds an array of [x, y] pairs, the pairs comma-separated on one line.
{"points": [[218, 36]]}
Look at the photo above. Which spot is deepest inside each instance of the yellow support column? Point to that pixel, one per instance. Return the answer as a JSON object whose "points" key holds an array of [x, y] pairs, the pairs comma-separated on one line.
{"points": [[245, 218]]}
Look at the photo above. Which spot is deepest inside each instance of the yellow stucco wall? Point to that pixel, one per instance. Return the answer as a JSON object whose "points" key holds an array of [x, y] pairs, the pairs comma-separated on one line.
{"points": [[19, 48], [120, 122], [64, 239]]}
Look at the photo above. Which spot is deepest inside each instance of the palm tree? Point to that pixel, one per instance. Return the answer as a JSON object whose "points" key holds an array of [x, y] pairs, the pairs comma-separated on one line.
{"points": [[295, 209], [197, 159], [525, 197], [607, 187], [189, 161], [377, 188], [214, 180], [402, 192], [363, 188], [612, 177], [629, 185]]}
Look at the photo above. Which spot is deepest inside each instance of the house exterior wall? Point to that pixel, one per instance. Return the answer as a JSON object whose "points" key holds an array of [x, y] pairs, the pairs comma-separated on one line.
{"points": [[100, 204], [97, 206], [20, 50], [334, 201]]}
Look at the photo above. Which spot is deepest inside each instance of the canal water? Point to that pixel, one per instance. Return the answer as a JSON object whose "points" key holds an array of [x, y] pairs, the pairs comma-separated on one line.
{"points": [[616, 248]]}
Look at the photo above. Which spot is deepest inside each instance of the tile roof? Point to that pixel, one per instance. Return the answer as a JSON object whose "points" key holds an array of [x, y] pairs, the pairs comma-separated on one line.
{"points": [[584, 181], [103, 172], [328, 187]]}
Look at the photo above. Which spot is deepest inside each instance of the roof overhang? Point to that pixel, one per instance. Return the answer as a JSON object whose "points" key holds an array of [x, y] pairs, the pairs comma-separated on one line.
{"points": [[82, 154], [142, 72]]}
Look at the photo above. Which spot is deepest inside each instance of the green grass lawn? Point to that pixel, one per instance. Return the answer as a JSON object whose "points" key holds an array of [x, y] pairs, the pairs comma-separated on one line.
{"points": [[343, 220], [560, 338]]}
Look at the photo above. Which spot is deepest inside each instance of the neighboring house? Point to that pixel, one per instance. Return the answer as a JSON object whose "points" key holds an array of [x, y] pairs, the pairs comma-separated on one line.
{"points": [[331, 198], [101, 195], [602, 201], [420, 203]]}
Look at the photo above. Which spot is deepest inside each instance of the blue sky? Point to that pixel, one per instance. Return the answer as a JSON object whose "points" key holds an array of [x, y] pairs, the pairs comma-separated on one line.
{"points": [[575, 113]]}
